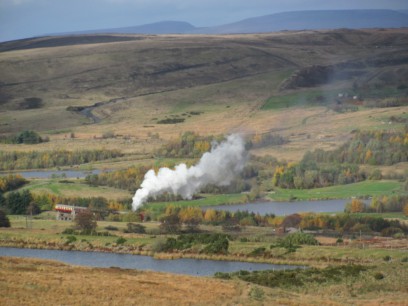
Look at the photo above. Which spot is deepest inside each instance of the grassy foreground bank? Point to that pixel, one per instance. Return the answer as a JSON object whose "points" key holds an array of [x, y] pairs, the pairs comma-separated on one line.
{"points": [[38, 282], [41, 282]]}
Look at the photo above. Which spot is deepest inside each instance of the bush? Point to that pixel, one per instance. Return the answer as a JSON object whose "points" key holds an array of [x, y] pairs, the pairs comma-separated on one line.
{"points": [[135, 228], [70, 239], [258, 252], [131, 217], [111, 228], [391, 231], [68, 231], [214, 243], [121, 240], [387, 258], [378, 276], [222, 275], [4, 220], [257, 293], [85, 220], [301, 238]]}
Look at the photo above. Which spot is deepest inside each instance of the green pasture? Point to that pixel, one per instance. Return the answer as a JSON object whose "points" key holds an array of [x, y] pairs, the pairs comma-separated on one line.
{"points": [[305, 98], [74, 188], [361, 189]]}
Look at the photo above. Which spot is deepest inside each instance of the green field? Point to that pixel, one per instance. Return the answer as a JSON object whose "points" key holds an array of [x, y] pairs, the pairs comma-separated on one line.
{"points": [[305, 98], [206, 200], [361, 189], [75, 188]]}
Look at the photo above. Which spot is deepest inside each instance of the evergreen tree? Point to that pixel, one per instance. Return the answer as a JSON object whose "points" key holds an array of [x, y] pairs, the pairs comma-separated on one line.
{"points": [[4, 220]]}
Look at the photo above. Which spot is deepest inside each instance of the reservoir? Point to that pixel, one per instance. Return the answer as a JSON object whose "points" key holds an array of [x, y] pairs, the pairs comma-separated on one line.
{"points": [[195, 267]]}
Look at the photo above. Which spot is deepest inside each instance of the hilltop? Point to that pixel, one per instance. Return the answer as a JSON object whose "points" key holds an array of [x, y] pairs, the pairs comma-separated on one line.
{"points": [[293, 20]]}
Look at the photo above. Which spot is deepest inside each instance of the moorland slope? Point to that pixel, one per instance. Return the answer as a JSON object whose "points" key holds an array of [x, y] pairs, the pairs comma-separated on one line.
{"points": [[126, 84]]}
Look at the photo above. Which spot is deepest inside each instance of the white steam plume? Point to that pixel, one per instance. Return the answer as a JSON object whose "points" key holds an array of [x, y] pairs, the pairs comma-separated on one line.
{"points": [[218, 167]]}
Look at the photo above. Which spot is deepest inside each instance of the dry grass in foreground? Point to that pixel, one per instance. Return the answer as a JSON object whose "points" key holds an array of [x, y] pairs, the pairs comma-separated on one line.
{"points": [[41, 282]]}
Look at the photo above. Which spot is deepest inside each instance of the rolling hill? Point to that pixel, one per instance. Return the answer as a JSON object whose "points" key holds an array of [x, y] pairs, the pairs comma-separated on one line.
{"points": [[297, 20], [125, 85], [314, 20]]}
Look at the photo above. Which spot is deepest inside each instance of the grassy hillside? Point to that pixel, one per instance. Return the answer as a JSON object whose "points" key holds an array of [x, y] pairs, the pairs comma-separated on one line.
{"points": [[91, 86]]}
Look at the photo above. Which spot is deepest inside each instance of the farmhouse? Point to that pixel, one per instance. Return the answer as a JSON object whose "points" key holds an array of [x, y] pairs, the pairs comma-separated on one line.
{"points": [[67, 212]]}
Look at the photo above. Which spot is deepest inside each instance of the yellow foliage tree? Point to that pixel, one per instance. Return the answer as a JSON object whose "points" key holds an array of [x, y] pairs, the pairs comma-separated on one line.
{"points": [[357, 206], [405, 210], [210, 215], [191, 215], [368, 155]]}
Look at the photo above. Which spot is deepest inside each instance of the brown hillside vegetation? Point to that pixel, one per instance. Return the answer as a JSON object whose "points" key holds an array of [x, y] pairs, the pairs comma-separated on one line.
{"points": [[41, 282], [126, 85]]}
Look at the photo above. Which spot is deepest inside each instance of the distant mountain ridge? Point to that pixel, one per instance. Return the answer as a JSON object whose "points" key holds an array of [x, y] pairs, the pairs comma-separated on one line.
{"points": [[162, 27], [314, 20], [296, 20]]}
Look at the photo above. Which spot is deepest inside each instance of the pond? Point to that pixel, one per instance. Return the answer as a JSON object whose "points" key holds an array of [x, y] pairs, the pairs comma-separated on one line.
{"points": [[197, 267], [53, 173], [286, 208]]}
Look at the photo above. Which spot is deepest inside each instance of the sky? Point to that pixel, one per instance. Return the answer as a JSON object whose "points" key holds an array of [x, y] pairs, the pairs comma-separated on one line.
{"points": [[28, 18]]}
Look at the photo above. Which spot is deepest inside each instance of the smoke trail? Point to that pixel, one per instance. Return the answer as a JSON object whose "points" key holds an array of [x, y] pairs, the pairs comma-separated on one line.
{"points": [[218, 167]]}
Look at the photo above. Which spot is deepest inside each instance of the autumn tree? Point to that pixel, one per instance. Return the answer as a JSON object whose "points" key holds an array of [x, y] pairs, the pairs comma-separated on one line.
{"points": [[170, 222], [406, 209], [357, 206], [85, 221], [191, 217], [210, 215]]}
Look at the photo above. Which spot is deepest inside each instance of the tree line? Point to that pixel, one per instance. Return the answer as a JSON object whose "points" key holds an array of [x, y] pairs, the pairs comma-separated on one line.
{"points": [[128, 179], [48, 159], [308, 174], [25, 137], [368, 147], [380, 204], [11, 182], [21, 202], [188, 145]]}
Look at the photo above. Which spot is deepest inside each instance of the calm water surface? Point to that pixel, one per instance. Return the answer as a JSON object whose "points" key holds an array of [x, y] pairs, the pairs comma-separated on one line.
{"points": [[198, 267]]}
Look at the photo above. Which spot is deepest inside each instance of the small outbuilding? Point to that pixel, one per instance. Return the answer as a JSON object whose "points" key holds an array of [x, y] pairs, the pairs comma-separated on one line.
{"points": [[67, 212]]}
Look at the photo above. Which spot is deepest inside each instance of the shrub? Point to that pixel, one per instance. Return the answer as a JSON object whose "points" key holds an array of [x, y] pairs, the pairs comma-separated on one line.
{"points": [[70, 239], [378, 276], [391, 231], [159, 245], [4, 220], [135, 228], [301, 238], [171, 120], [258, 252], [257, 293], [222, 275], [111, 228], [121, 240], [85, 220], [387, 258], [68, 231]]}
